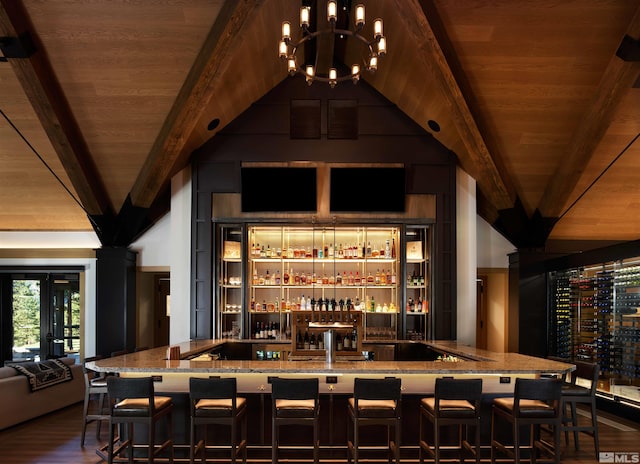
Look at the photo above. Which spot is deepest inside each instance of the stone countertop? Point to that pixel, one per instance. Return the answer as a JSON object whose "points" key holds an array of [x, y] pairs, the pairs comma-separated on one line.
{"points": [[481, 361]]}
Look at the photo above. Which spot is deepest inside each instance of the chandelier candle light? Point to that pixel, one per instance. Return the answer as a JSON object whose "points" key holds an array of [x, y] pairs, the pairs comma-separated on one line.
{"points": [[376, 48]]}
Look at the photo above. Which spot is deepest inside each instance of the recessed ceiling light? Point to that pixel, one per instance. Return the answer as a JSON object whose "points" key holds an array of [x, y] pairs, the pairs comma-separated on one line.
{"points": [[434, 126], [213, 124]]}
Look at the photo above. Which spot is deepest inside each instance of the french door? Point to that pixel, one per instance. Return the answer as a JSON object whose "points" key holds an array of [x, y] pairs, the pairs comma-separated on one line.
{"points": [[42, 311]]}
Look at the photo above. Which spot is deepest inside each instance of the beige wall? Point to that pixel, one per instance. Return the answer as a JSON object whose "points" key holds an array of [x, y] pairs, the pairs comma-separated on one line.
{"points": [[497, 294]]}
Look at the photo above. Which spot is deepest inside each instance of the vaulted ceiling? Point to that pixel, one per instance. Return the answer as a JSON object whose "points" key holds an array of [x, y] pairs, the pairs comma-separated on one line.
{"points": [[103, 101]]}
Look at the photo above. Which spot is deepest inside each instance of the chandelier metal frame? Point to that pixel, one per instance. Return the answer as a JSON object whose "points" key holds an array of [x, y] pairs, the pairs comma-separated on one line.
{"points": [[377, 47]]}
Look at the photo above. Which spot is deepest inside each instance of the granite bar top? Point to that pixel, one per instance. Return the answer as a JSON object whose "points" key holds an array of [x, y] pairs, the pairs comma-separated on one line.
{"points": [[476, 361]]}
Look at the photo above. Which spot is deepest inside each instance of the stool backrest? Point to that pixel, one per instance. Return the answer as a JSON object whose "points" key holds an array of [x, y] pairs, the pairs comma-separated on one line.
{"points": [[459, 389], [120, 388], [295, 389], [377, 389], [586, 371], [547, 390], [214, 388]]}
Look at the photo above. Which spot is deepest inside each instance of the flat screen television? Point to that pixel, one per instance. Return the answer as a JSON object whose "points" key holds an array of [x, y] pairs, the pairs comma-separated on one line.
{"points": [[367, 190], [278, 189]]}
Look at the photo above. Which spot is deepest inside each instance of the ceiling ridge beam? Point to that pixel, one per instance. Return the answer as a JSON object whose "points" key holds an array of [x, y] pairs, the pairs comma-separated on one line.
{"points": [[45, 94], [477, 159], [212, 60], [617, 79]]}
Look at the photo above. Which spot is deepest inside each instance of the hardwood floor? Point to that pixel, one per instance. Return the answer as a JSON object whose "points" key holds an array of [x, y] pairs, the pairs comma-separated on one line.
{"points": [[55, 439]]}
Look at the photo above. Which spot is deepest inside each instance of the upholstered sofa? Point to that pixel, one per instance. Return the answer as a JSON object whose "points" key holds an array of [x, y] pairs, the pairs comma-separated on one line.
{"points": [[19, 403]]}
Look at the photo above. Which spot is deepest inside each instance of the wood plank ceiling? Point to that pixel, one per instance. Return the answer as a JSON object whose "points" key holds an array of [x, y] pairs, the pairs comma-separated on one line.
{"points": [[530, 95]]}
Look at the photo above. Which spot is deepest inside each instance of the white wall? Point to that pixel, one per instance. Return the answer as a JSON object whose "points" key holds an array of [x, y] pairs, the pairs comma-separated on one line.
{"points": [[152, 248], [493, 248], [466, 257], [179, 249]]}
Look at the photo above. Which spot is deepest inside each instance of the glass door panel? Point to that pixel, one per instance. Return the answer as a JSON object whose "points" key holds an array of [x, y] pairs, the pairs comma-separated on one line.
{"points": [[26, 319]]}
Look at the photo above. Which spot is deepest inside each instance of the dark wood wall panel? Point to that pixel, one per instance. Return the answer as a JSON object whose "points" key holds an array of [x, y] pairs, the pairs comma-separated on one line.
{"points": [[386, 135]]}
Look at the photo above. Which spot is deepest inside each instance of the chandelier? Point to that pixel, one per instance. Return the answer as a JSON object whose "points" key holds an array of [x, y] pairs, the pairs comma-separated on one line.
{"points": [[288, 49]]}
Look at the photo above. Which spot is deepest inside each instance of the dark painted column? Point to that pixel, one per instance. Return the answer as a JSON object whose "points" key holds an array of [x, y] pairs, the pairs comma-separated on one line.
{"points": [[115, 300]]}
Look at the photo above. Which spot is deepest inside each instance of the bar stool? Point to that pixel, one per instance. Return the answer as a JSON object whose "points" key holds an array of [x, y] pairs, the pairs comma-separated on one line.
{"points": [[572, 394], [132, 401], [456, 402], [294, 402], [214, 401], [95, 386], [375, 402], [535, 402]]}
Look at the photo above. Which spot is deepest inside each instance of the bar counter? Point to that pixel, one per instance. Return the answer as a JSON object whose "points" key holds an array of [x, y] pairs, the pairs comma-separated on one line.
{"points": [[498, 370]]}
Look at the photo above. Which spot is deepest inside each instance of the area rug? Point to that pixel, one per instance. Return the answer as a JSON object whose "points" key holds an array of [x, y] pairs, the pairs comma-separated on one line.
{"points": [[44, 374]]}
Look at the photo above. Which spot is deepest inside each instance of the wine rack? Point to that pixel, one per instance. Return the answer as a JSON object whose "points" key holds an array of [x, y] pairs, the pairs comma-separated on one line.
{"points": [[596, 318]]}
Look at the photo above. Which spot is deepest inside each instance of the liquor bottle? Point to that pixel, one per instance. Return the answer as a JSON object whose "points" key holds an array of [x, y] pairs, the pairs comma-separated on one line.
{"points": [[357, 280], [340, 252], [425, 306], [372, 308], [286, 277], [299, 342], [393, 275], [277, 278], [313, 345], [306, 341], [370, 279], [339, 346], [418, 307], [331, 250], [296, 279], [387, 249], [352, 280], [368, 249], [338, 278], [267, 278], [387, 277], [268, 252], [347, 342], [257, 332], [376, 279], [255, 276], [393, 248], [303, 303]]}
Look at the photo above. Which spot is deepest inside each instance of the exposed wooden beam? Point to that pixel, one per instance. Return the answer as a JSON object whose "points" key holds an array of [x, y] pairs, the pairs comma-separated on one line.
{"points": [[167, 150], [48, 101], [616, 81], [477, 157]]}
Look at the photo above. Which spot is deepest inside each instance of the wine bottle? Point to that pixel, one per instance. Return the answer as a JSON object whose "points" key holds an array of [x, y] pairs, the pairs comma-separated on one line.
{"points": [[306, 341], [339, 346], [312, 342], [347, 342]]}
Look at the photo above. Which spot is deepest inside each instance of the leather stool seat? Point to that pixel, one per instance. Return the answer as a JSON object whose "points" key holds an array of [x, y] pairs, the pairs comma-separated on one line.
{"points": [[95, 388], [455, 402], [133, 401], [535, 402], [572, 394], [295, 402], [214, 402], [375, 402]]}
